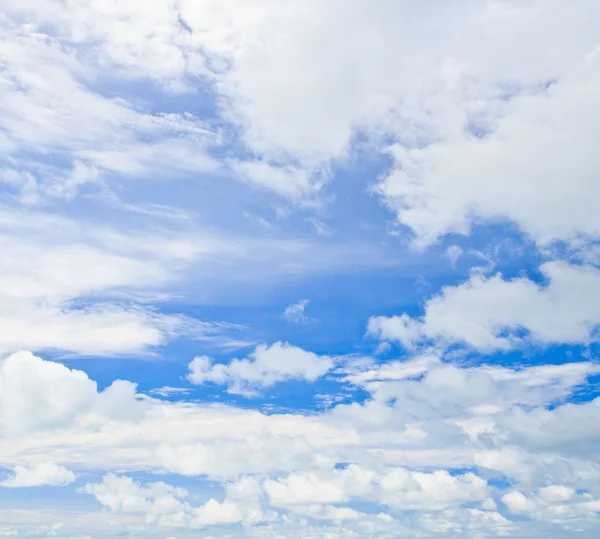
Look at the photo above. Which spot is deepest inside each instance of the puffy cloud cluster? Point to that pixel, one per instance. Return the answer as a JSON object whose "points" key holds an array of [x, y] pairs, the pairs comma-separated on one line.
{"points": [[555, 503], [160, 503], [319, 495], [491, 313], [516, 111], [37, 395], [266, 366], [431, 440], [38, 474], [396, 488]]}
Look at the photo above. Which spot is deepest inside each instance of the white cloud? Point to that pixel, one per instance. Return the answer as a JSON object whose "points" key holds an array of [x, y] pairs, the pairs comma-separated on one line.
{"points": [[231, 457], [439, 91], [122, 494], [426, 389], [162, 503], [395, 370], [295, 183], [404, 490], [327, 487], [214, 512], [405, 447], [490, 313], [526, 161], [397, 488], [460, 522], [299, 100], [560, 427], [555, 503], [50, 107], [263, 368], [37, 394], [167, 391], [295, 312], [72, 287], [488, 111], [42, 473]]}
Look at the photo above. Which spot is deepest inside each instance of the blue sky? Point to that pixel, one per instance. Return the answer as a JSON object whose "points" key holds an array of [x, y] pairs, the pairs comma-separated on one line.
{"points": [[306, 269]]}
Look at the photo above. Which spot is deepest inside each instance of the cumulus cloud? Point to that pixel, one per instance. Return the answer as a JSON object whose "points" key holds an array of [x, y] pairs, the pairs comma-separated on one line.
{"points": [[457, 111], [122, 494], [36, 394], [427, 439], [266, 366], [554, 502], [300, 493], [319, 488], [510, 112], [396, 488], [491, 313], [525, 158], [227, 457], [161, 503], [42, 473], [438, 490], [548, 429], [477, 402]]}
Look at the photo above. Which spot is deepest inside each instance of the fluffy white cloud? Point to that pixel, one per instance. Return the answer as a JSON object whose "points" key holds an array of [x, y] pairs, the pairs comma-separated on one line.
{"points": [[299, 493], [525, 157], [555, 503], [460, 522], [214, 512], [489, 313], [156, 501], [42, 473], [440, 95], [266, 366], [425, 387], [337, 486], [397, 488], [37, 394], [208, 441], [406, 447], [460, 111], [232, 457], [161, 503], [561, 426], [402, 489]]}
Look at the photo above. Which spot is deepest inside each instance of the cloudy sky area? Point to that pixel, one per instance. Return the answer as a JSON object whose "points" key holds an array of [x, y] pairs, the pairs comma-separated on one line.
{"points": [[317, 269]]}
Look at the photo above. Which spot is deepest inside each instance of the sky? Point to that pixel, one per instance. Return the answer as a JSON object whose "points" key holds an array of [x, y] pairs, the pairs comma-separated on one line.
{"points": [[299, 269]]}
